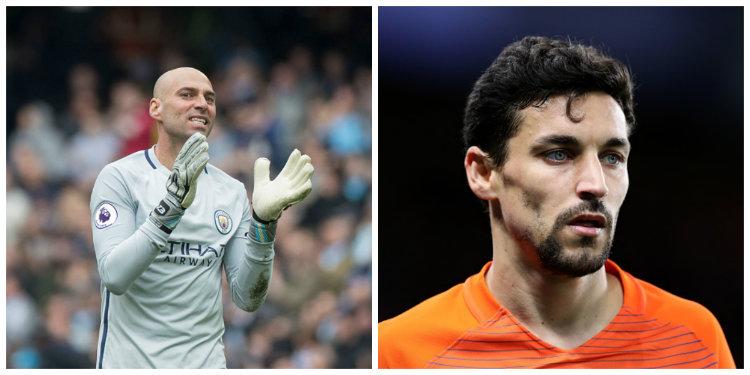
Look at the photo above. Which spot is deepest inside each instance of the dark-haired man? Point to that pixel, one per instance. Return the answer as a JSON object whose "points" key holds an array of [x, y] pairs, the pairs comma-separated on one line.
{"points": [[546, 129]]}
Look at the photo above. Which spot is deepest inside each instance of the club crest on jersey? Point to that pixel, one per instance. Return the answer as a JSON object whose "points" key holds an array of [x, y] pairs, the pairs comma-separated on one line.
{"points": [[223, 221], [105, 215]]}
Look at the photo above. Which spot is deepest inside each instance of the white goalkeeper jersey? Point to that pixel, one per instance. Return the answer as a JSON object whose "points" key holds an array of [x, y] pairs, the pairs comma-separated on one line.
{"points": [[161, 293]]}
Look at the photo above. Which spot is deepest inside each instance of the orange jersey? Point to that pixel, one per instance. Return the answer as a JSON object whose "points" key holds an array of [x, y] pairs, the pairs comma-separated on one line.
{"points": [[465, 327]]}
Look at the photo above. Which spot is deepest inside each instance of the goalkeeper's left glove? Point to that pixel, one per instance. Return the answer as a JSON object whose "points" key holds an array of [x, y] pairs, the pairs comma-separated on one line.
{"points": [[182, 183], [292, 185]]}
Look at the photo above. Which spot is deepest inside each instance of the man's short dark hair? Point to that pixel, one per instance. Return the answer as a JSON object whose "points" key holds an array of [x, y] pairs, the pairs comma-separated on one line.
{"points": [[530, 71]]}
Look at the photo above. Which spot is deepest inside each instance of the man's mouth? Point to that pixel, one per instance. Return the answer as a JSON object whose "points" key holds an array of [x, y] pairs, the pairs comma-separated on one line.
{"points": [[200, 120], [588, 224]]}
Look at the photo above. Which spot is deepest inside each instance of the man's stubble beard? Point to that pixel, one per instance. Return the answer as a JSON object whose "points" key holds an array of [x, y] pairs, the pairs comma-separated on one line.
{"points": [[585, 259]]}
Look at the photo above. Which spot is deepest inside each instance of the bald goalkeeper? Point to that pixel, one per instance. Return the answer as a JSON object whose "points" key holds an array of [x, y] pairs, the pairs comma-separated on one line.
{"points": [[166, 223]]}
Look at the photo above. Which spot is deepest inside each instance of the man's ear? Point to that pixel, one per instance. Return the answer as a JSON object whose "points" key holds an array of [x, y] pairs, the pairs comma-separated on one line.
{"points": [[154, 109], [479, 170]]}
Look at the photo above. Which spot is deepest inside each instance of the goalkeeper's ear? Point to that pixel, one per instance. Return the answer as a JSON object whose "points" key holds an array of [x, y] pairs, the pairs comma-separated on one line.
{"points": [[479, 173], [154, 109]]}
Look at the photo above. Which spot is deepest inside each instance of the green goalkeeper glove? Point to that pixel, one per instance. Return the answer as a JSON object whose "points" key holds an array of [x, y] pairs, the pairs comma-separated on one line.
{"points": [[182, 183], [292, 185]]}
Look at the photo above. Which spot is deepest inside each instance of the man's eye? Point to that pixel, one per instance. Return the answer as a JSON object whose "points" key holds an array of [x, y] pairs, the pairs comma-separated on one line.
{"points": [[612, 159], [185, 94], [556, 155]]}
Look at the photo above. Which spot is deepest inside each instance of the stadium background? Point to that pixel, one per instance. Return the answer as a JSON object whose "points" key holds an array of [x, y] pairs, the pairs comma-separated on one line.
{"points": [[79, 80], [680, 227]]}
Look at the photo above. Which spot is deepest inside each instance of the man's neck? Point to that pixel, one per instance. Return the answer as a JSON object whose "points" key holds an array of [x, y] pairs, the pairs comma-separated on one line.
{"points": [[561, 310], [166, 151]]}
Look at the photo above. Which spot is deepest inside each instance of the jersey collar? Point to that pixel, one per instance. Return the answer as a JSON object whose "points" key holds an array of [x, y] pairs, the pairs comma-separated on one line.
{"points": [[152, 160], [484, 307]]}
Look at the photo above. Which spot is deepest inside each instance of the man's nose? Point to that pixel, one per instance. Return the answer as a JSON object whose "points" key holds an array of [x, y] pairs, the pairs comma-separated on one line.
{"points": [[201, 103], [591, 181]]}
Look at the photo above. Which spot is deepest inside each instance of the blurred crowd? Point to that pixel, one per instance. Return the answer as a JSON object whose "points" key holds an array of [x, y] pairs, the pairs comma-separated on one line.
{"points": [[318, 312]]}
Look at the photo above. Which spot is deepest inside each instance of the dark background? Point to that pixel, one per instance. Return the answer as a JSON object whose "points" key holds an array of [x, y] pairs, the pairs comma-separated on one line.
{"points": [[680, 227]]}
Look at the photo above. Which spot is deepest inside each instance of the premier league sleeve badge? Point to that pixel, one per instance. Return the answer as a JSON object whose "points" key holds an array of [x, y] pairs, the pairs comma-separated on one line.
{"points": [[105, 215]]}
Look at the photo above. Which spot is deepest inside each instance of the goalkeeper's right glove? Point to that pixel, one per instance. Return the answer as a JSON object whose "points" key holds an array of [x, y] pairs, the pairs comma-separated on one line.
{"points": [[182, 183]]}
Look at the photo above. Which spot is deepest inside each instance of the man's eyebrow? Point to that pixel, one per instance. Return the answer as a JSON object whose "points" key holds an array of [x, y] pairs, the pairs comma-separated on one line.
{"points": [[555, 139], [570, 141], [193, 89], [617, 142]]}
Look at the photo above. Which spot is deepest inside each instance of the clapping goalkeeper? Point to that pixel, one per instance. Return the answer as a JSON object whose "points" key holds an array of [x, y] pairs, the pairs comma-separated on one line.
{"points": [[165, 223]]}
